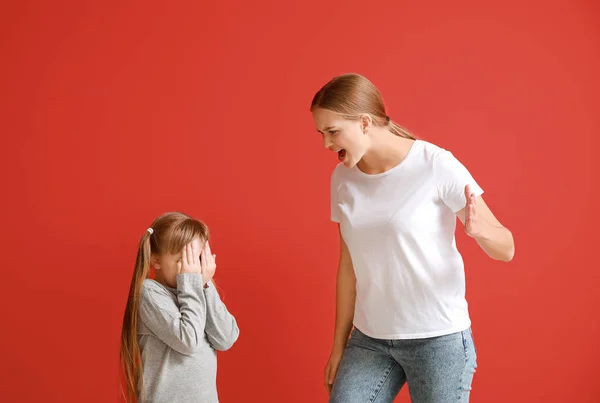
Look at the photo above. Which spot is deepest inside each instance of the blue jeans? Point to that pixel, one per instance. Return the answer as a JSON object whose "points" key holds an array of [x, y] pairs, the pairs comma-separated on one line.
{"points": [[437, 369]]}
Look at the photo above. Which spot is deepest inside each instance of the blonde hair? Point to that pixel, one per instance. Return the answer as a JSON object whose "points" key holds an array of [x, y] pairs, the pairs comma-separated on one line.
{"points": [[352, 95], [169, 234]]}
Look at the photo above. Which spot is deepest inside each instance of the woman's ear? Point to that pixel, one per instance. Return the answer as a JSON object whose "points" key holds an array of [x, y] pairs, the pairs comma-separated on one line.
{"points": [[365, 123]]}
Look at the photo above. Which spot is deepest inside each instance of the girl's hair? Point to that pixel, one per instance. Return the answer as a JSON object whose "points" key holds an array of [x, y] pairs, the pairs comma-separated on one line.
{"points": [[352, 95], [169, 233]]}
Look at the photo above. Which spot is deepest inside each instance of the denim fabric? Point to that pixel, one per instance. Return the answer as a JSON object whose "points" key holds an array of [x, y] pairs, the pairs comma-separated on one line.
{"points": [[437, 369]]}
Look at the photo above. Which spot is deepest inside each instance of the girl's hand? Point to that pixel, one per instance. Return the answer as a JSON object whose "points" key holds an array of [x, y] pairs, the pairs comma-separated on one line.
{"points": [[207, 263], [190, 259]]}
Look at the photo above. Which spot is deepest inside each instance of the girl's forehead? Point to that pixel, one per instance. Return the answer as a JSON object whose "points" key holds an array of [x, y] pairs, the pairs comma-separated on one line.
{"points": [[197, 242]]}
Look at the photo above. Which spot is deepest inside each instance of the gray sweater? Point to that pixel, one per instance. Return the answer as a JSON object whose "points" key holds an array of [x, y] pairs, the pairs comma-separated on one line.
{"points": [[179, 332]]}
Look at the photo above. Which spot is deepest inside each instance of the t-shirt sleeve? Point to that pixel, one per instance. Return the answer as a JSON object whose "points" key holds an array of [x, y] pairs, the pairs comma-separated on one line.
{"points": [[335, 207], [451, 178]]}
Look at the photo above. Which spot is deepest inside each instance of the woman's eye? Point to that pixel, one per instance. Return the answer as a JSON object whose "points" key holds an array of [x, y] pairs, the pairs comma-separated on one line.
{"points": [[333, 132]]}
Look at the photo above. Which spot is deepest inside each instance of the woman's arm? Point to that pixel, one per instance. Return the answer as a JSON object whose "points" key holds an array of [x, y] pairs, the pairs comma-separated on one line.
{"points": [[345, 298], [344, 315], [481, 224]]}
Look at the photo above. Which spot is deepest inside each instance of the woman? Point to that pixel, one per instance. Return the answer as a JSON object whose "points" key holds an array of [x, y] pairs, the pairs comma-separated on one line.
{"points": [[401, 279]]}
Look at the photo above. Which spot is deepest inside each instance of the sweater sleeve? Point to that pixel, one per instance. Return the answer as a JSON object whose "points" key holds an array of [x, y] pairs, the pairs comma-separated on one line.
{"points": [[179, 325], [221, 327]]}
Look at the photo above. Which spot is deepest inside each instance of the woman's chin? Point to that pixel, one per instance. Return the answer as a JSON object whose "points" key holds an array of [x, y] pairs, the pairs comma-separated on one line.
{"points": [[348, 162]]}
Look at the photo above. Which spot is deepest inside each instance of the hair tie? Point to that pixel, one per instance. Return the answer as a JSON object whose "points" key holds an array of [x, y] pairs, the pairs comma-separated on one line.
{"points": [[150, 230], [387, 118]]}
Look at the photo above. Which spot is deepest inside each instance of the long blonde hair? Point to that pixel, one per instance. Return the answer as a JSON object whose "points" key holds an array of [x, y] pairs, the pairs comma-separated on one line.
{"points": [[170, 232], [352, 95]]}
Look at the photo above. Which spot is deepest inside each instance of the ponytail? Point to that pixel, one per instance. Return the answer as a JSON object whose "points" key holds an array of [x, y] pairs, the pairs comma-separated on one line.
{"points": [[131, 362], [399, 130]]}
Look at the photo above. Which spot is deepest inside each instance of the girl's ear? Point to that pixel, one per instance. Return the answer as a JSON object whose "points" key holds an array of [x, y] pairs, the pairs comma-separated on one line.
{"points": [[154, 262]]}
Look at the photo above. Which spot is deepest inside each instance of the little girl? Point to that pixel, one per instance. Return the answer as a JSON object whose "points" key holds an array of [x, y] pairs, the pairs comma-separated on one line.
{"points": [[174, 324]]}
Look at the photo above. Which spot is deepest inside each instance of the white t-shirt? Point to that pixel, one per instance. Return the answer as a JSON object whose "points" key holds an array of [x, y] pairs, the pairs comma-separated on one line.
{"points": [[399, 228]]}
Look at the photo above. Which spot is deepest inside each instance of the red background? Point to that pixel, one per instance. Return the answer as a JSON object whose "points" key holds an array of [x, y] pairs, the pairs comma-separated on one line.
{"points": [[114, 112]]}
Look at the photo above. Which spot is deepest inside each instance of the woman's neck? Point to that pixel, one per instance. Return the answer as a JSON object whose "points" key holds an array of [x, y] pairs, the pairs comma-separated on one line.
{"points": [[387, 150]]}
